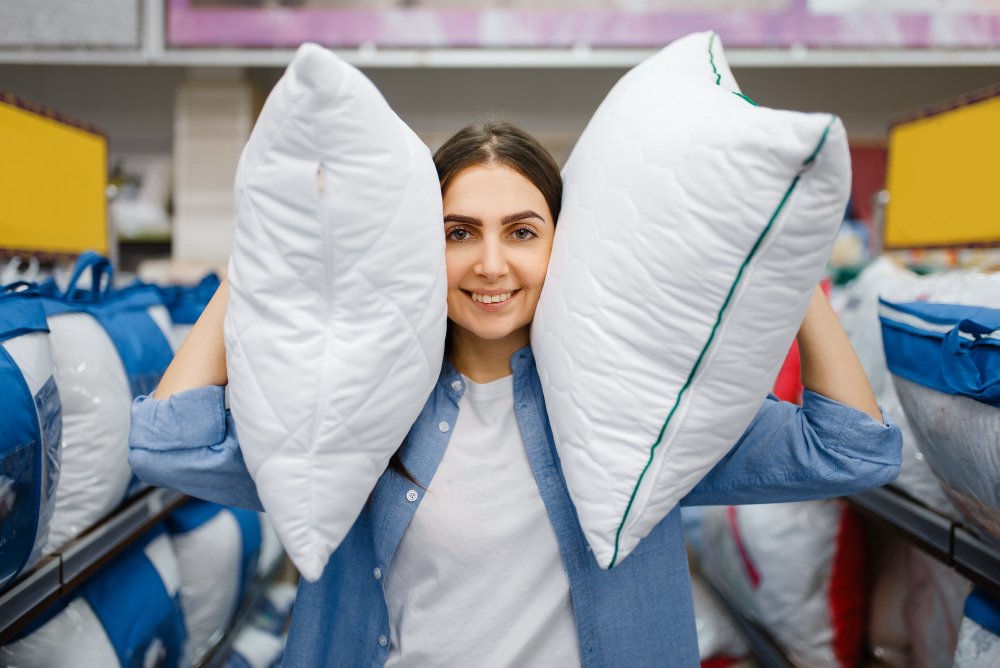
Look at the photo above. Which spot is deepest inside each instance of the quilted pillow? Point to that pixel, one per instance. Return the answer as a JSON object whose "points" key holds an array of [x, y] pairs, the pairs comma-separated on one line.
{"points": [[337, 307], [694, 227]]}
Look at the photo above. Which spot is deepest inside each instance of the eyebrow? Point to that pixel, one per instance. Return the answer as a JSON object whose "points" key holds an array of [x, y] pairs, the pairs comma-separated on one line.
{"points": [[506, 220]]}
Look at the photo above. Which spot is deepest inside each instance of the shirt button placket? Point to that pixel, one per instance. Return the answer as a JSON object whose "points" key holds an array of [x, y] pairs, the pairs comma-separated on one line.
{"points": [[411, 496]]}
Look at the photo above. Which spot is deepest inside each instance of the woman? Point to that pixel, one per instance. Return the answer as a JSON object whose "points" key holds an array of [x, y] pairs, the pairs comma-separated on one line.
{"points": [[469, 551]]}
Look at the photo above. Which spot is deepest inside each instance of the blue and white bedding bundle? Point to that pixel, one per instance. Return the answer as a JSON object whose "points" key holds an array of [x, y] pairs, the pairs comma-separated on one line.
{"points": [[946, 361], [31, 414]]}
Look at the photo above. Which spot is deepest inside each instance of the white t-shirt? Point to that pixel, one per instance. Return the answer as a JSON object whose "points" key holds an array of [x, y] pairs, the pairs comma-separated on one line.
{"points": [[477, 579]]}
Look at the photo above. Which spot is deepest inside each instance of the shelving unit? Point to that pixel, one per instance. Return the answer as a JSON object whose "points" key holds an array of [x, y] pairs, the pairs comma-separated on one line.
{"points": [[764, 649], [59, 574], [948, 540]]}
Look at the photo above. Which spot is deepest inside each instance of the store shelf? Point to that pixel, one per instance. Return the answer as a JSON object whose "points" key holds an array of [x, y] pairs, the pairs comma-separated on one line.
{"points": [[58, 574], [949, 541], [218, 656]]}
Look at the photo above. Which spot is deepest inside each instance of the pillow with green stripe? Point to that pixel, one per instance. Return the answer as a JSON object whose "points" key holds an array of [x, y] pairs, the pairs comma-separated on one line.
{"points": [[694, 228]]}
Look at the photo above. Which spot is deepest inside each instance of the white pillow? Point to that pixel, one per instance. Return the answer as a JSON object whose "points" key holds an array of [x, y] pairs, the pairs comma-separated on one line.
{"points": [[694, 228], [337, 308]]}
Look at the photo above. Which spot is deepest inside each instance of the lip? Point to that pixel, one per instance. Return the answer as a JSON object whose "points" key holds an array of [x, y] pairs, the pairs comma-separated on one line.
{"points": [[491, 307]]}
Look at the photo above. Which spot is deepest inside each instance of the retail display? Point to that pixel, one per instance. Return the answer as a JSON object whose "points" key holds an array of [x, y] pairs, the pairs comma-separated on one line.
{"points": [[256, 648], [694, 229], [217, 549], [859, 317], [337, 304], [796, 569], [270, 546], [107, 346], [946, 360], [979, 637], [30, 438], [127, 615], [718, 637]]}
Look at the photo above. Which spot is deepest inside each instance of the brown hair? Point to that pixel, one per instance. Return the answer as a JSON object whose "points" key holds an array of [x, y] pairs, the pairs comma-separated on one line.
{"points": [[501, 143], [494, 142]]}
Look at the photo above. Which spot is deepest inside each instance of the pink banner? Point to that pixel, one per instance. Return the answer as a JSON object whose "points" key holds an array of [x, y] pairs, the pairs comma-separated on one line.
{"points": [[766, 24]]}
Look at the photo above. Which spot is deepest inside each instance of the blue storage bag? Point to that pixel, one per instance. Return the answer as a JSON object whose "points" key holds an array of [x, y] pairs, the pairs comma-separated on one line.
{"points": [[31, 415], [979, 635], [945, 360], [128, 315], [217, 550], [128, 615]]}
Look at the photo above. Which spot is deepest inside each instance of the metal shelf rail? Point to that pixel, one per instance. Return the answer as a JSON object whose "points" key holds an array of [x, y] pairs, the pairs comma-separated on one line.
{"points": [[764, 649], [948, 540], [59, 574]]}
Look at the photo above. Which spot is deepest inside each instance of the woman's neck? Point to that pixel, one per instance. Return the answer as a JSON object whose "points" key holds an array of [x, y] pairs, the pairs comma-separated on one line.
{"points": [[483, 360]]}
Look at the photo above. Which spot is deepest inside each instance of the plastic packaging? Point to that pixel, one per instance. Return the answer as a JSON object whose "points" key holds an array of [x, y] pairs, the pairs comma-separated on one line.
{"points": [[979, 637], [126, 615], [106, 346], [29, 441], [256, 648], [795, 568], [946, 360], [717, 634], [217, 550]]}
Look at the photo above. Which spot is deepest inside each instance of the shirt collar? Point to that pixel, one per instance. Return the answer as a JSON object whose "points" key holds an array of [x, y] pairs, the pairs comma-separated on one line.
{"points": [[451, 382]]}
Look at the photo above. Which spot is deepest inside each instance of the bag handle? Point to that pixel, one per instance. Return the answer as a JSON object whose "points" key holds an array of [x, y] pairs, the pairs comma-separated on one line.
{"points": [[100, 268], [960, 371]]}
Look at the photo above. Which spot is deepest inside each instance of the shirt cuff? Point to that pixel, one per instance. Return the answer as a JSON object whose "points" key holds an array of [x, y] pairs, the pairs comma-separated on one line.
{"points": [[854, 433], [193, 418]]}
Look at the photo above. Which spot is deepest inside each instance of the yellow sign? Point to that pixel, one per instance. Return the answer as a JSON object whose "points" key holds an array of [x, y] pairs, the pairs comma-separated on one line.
{"points": [[53, 179], [942, 177]]}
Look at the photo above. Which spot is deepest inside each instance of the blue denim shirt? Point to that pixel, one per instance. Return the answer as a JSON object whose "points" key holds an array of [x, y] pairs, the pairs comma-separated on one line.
{"points": [[638, 614]]}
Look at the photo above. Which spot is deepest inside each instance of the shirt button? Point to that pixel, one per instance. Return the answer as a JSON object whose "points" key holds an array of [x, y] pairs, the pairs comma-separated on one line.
{"points": [[443, 426], [383, 641], [411, 495], [378, 573], [457, 385]]}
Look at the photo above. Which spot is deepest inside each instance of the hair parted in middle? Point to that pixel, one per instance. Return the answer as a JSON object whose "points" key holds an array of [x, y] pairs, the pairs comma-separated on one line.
{"points": [[497, 142]]}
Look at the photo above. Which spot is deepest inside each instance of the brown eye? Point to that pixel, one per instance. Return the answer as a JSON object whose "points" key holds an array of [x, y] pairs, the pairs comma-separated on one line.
{"points": [[524, 233]]}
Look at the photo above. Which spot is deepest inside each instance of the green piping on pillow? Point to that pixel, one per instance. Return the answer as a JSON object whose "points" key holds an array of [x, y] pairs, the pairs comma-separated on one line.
{"points": [[718, 319]]}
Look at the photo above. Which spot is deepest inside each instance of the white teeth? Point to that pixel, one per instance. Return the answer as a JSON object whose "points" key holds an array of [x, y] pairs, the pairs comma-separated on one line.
{"points": [[491, 299]]}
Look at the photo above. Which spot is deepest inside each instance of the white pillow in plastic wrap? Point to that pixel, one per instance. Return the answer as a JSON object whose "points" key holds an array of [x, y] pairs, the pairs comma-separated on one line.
{"points": [[96, 401], [209, 544], [718, 636], [962, 439], [337, 302], [256, 648], [107, 624], [979, 637], [694, 228], [794, 568], [28, 480]]}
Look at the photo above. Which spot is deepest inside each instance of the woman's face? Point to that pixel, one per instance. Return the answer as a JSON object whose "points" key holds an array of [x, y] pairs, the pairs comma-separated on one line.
{"points": [[498, 232]]}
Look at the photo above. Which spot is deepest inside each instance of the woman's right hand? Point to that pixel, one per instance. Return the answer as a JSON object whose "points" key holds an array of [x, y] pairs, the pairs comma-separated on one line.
{"points": [[201, 359]]}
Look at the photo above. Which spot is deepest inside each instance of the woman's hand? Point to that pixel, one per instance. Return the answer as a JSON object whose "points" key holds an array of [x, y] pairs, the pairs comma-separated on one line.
{"points": [[201, 359], [829, 364]]}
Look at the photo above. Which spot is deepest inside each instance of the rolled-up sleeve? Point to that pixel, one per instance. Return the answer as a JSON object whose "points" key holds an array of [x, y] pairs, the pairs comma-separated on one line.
{"points": [[188, 443], [795, 453]]}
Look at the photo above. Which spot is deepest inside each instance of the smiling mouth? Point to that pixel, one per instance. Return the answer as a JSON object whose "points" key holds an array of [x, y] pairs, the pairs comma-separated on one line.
{"points": [[491, 302]]}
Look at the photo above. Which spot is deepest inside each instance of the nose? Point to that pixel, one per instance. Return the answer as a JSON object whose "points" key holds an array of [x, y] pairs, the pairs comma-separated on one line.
{"points": [[492, 263]]}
